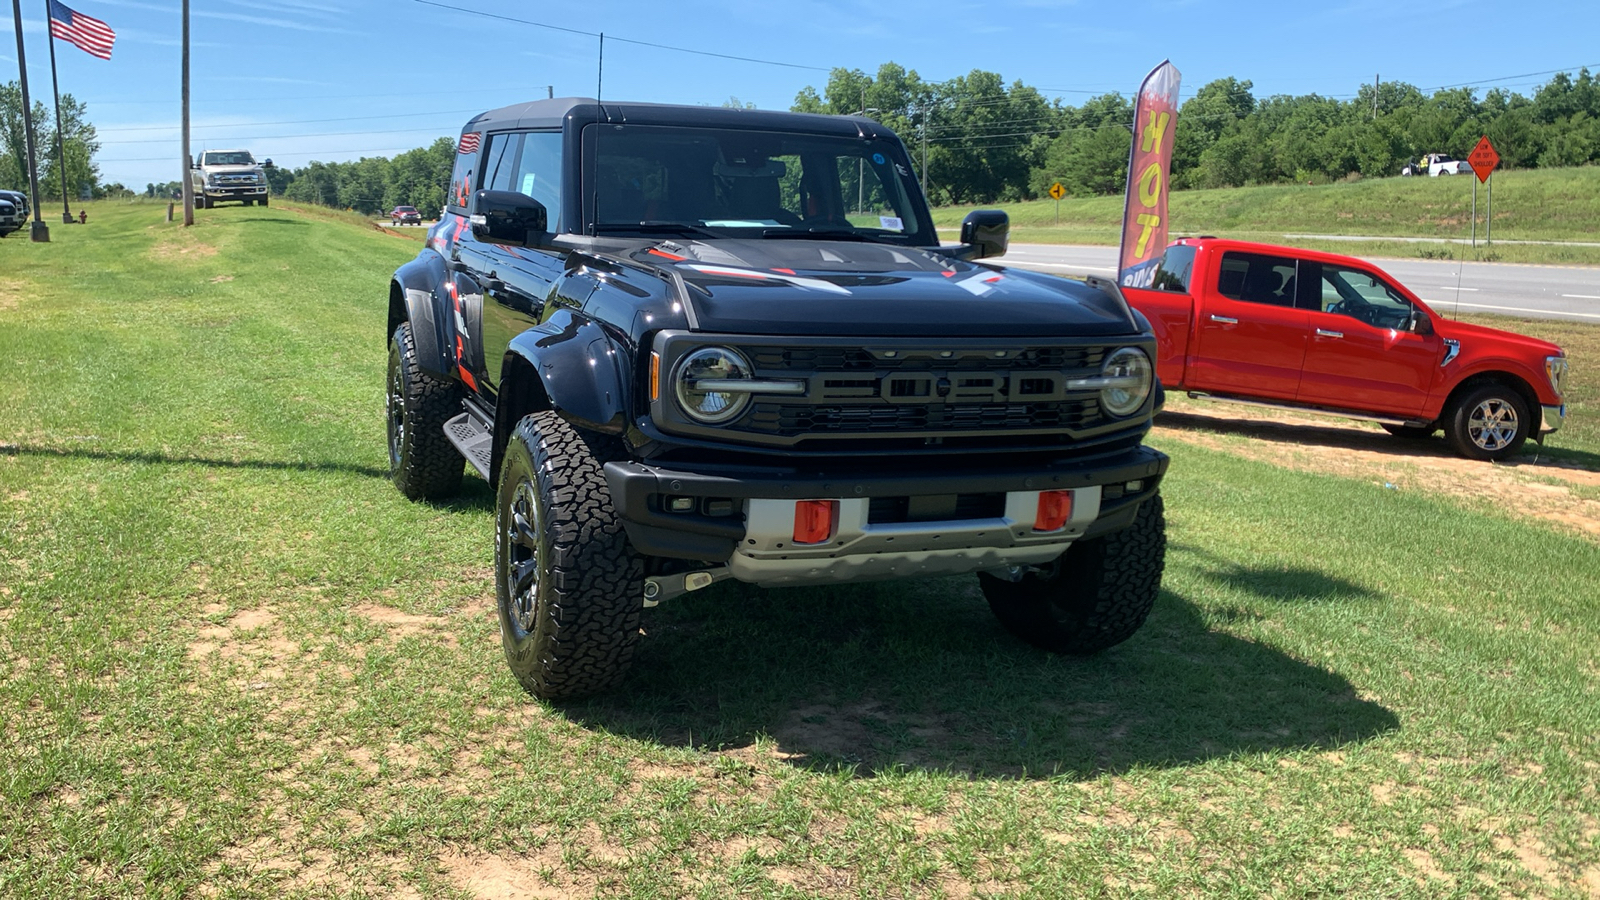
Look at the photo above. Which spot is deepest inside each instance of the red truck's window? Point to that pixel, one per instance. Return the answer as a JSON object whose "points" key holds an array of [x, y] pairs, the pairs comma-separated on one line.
{"points": [[1172, 274], [1257, 278]]}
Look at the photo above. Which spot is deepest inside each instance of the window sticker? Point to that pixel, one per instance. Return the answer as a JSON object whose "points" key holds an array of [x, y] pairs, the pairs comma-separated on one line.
{"points": [[877, 158], [891, 223], [527, 183]]}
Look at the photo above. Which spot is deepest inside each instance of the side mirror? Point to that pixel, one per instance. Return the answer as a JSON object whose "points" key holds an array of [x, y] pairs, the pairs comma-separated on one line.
{"points": [[1420, 323], [506, 217], [267, 164], [987, 232]]}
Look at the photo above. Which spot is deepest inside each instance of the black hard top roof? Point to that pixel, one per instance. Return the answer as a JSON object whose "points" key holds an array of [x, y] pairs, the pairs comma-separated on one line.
{"points": [[554, 113]]}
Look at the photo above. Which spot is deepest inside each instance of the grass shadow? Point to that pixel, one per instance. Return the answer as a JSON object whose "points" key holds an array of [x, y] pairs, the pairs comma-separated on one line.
{"points": [[164, 459], [1274, 431], [262, 220], [1274, 584], [883, 677]]}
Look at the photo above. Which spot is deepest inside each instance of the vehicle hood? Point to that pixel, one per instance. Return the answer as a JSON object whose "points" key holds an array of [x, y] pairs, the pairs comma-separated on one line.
{"points": [[233, 170], [1510, 343], [821, 287]]}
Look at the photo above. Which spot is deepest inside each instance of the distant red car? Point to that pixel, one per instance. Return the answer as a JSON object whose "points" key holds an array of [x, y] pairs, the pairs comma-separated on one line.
{"points": [[1283, 327], [405, 215]]}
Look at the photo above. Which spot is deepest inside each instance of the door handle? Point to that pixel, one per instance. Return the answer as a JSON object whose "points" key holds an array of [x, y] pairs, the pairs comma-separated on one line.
{"points": [[1225, 320], [1323, 332]]}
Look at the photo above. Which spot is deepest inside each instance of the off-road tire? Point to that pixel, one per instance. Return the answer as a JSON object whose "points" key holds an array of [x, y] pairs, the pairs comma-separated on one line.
{"points": [[1410, 432], [569, 586], [1475, 424], [423, 463], [1097, 596]]}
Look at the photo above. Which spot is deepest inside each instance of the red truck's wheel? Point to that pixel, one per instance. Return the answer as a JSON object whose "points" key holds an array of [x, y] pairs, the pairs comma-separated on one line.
{"points": [[1098, 596], [1490, 422], [569, 586]]}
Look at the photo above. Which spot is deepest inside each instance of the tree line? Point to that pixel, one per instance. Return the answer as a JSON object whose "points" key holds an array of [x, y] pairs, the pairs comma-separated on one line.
{"points": [[83, 175], [983, 141]]}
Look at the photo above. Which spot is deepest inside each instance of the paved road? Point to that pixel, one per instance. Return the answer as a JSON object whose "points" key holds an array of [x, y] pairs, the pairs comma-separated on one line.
{"points": [[1555, 292]]}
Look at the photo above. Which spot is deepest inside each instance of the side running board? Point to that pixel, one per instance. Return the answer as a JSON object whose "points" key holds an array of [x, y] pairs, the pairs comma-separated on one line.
{"points": [[473, 440]]}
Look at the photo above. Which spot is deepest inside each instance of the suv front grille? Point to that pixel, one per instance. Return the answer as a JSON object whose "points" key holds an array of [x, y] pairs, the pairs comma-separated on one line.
{"points": [[797, 418]]}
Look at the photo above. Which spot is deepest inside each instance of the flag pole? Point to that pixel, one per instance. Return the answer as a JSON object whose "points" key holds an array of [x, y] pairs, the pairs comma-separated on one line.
{"points": [[39, 231], [61, 138]]}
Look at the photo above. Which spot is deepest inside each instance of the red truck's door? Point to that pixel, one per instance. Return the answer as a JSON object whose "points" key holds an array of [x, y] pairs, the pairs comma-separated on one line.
{"points": [[1249, 338], [1363, 352]]}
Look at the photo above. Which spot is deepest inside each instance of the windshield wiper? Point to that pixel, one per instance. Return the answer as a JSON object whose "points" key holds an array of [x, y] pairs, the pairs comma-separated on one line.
{"points": [[653, 227], [819, 234]]}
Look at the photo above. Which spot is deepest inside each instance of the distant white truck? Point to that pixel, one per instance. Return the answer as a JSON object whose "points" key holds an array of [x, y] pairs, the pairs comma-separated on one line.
{"points": [[229, 175], [1435, 164]]}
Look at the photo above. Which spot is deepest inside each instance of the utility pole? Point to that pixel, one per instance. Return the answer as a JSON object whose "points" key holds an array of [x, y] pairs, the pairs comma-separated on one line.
{"points": [[549, 92], [1376, 80], [38, 231], [188, 180], [861, 163], [926, 122]]}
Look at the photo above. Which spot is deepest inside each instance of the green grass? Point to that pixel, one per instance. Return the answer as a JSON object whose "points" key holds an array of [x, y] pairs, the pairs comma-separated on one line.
{"points": [[1530, 205], [235, 662]]}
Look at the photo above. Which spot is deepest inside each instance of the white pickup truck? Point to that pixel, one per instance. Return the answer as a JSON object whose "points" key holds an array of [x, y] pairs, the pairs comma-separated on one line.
{"points": [[1437, 164], [229, 175]]}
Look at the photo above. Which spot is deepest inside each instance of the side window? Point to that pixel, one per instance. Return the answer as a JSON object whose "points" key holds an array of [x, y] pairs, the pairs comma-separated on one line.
{"points": [[1364, 296], [461, 180], [1172, 274], [536, 171], [1256, 278], [499, 162]]}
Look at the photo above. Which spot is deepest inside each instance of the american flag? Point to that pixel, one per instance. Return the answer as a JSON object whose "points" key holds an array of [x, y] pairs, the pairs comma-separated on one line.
{"points": [[92, 36], [469, 142]]}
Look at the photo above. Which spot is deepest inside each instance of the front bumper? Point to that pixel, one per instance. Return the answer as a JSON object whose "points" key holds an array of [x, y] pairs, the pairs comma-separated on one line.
{"points": [[754, 540], [236, 191], [1553, 418]]}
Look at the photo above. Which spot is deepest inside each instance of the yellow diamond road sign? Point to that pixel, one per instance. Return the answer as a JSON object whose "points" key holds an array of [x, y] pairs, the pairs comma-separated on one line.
{"points": [[1057, 191]]}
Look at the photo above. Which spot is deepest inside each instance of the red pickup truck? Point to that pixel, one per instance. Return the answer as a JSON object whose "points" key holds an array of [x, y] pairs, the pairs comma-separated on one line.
{"points": [[1281, 327]]}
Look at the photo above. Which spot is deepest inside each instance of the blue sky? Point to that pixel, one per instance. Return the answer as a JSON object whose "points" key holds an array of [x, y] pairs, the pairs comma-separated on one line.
{"points": [[299, 80]]}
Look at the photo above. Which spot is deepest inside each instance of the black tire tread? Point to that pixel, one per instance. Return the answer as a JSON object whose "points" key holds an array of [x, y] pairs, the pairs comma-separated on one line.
{"points": [[430, 467], [1101, 593], [588, 630]]}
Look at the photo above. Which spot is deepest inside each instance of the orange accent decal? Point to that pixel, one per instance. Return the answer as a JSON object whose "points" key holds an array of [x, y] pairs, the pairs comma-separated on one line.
{"points": [[467, 377], [785, 271], [672, 256]]}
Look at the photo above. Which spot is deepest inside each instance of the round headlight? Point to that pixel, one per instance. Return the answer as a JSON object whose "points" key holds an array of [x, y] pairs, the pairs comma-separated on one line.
{"points": [[1129, 377], [711, 365]]}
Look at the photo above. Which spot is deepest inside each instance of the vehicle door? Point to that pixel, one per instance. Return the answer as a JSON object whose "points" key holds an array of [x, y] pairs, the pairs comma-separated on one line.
{"points": [[1250, 338], [1368, 350], [515, 281]]}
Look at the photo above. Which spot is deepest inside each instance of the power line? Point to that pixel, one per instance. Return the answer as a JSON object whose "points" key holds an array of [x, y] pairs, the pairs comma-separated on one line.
{"points": [[596, 34], [441, 112]]}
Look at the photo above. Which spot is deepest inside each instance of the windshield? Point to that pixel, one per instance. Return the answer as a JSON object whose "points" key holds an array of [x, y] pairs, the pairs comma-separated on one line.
{"points": [[228, 158], [726, 182]]}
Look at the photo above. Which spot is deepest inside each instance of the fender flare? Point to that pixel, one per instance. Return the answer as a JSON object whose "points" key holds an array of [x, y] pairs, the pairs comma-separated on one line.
{"points": [[568, 364], [414, 298]]}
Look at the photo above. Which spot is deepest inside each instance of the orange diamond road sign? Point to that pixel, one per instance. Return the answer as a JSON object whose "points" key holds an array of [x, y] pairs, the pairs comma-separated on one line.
{"points": [[1057, 191], [1483, 159]]}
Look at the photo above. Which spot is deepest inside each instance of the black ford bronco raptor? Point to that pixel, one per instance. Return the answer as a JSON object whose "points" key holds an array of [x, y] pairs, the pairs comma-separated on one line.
{"points": [[687, 344]]}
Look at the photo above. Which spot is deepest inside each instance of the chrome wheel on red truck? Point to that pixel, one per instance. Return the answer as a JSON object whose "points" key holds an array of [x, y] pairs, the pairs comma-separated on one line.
{"points": [[1490, 422]]}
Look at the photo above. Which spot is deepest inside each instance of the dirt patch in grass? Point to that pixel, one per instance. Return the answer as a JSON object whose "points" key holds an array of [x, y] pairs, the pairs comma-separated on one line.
{"points": [[10, 294], [402, 625], [177, 249], [1530, 486], [487, 876]]}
